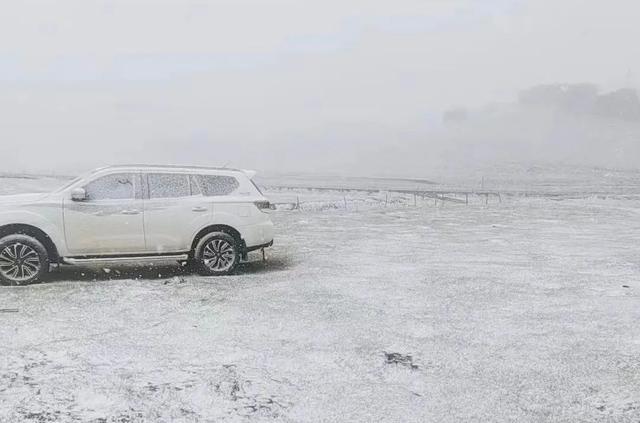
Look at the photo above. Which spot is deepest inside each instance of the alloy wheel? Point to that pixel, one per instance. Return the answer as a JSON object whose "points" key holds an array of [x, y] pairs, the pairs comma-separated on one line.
{"points": [[219, 255], [19, 262]]}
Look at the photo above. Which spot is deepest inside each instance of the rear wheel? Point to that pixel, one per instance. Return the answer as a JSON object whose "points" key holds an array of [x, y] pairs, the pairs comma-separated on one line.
{"points": [[23, 260], [217, 254]]}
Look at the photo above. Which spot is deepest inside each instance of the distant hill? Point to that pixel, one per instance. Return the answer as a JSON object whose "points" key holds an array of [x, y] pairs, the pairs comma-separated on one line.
{"points": [[585, 99], [561, 123]]}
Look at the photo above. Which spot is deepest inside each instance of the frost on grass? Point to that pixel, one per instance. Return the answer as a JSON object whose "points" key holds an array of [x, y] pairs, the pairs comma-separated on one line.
{"points": [[218, 393], [525, 310]]}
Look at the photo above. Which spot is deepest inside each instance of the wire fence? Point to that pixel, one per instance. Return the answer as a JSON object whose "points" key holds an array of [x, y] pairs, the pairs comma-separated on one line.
{"points": [[311, 198], [326, 198]]}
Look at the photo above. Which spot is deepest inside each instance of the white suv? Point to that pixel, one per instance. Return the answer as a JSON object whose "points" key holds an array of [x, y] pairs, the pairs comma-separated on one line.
{"points": [[208, 217]]}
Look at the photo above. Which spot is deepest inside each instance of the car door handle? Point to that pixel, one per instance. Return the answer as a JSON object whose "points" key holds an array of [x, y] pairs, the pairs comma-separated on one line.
{"points": [[132, 211], [199, 209]]}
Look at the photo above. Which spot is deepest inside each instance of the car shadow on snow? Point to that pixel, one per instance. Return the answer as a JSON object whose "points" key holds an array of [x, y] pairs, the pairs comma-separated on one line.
{"points": [[158, 271]]}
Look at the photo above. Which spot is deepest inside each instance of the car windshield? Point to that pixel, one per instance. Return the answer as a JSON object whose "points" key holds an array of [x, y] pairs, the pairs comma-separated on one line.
{"points": [[68, 184], [74, 180]]}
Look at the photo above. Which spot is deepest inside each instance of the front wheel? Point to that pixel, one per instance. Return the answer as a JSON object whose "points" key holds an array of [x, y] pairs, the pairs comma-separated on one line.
{"points": [[23, 260], [217, 254]]}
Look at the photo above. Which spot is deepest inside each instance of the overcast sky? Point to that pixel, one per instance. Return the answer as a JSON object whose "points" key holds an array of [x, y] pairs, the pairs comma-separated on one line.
{"points": [[281, 84]]}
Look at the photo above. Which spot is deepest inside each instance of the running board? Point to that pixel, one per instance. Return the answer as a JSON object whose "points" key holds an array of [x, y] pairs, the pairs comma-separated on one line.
{"points": [[127, 259]]}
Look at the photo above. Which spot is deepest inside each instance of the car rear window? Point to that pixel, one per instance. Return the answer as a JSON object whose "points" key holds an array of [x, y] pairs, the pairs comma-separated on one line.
{"points": [[217, 185]]}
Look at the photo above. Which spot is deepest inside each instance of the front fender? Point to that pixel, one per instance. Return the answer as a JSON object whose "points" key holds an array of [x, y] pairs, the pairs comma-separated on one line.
{"points": [[50, 225]]}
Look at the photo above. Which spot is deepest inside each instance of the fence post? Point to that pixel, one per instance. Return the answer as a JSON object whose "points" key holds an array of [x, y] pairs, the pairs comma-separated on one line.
{"points": [[297, 202], [466, 198], [345, 202]]}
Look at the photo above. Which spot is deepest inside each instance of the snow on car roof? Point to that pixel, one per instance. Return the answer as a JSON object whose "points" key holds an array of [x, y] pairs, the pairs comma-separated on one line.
{"points": [[175, 167]]}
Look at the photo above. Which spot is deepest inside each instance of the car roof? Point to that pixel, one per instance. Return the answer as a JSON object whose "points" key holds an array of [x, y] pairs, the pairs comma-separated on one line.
{"points": [[171, 168]]}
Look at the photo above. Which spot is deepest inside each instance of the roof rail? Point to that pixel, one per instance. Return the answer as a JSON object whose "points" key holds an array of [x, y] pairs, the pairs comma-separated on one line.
{"points": [[157, 166]]}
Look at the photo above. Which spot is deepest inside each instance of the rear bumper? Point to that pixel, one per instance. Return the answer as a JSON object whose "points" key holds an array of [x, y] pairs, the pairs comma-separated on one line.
{"points": [[258, 236]]}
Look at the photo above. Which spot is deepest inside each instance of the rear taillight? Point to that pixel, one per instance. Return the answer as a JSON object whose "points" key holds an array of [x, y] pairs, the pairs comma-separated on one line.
{"points": [[264, 206]]}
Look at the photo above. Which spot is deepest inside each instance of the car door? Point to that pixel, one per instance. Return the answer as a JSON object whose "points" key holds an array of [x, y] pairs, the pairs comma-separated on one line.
{"points": [[174, 211], [109, 221]]}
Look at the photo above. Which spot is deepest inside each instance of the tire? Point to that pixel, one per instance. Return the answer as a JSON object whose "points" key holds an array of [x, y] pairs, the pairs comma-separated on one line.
{"points": [[23, 260], [217, 254]]}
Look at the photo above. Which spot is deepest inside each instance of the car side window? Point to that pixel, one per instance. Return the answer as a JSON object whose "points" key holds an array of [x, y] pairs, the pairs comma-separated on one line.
{"points": [[217, 185], [167, 185], [118, 186]]}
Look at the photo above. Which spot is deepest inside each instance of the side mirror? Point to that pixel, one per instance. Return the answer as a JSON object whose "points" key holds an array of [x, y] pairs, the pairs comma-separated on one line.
{"points": [[78, 194]]}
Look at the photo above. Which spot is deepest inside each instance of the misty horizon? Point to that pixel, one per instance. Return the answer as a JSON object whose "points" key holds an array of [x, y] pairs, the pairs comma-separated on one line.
{"points": [[358, 89]]}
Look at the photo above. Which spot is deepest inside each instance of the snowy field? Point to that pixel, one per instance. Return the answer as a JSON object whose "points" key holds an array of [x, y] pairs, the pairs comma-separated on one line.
{"points": [[378, 310]]}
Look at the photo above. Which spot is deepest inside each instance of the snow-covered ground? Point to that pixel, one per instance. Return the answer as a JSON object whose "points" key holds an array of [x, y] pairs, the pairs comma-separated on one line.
{"points": [[524, 310]]}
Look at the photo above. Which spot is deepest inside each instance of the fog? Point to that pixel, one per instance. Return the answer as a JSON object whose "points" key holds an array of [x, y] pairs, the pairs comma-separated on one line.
{"points": [[360, 87]]}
